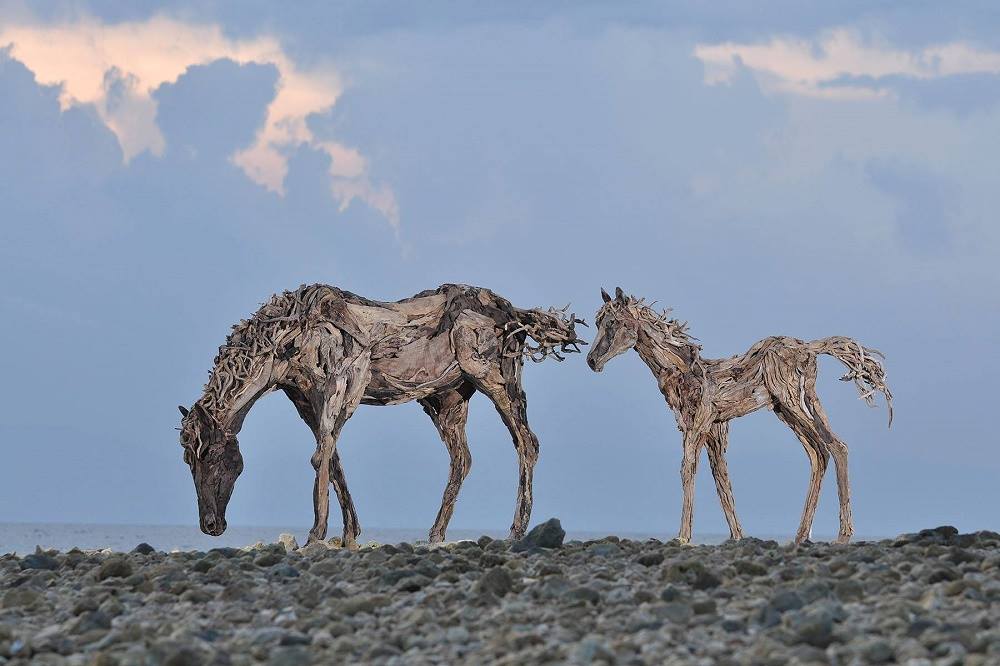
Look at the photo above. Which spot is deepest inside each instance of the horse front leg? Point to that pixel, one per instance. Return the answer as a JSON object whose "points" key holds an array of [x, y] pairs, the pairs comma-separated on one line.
{"points": [[449, 411], [511, 404], [352, 527], [343, 395]]}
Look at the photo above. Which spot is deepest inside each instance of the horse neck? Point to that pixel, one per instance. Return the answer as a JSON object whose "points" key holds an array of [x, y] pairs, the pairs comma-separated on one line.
{"points": [[230, 393]]}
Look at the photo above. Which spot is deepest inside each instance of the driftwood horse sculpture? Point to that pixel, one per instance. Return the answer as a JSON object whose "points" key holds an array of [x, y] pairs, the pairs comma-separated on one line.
{"points": [[329, 350], [778, 373]]}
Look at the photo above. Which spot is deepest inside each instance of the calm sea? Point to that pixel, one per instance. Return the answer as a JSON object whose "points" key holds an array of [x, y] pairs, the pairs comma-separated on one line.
{"points": [[22, 538]]}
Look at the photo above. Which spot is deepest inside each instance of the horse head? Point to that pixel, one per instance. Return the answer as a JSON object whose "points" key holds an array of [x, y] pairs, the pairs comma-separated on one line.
{"points": [[213, 454], [553, 331]]}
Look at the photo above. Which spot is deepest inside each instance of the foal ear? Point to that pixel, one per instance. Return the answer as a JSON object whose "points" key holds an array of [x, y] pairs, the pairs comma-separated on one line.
{"points": [[619, 294], [183, 410], [604, 295]]}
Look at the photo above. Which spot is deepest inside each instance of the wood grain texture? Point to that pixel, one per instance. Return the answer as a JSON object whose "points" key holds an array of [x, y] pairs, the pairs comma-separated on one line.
{"points": [[777, 373], [330, 351]]}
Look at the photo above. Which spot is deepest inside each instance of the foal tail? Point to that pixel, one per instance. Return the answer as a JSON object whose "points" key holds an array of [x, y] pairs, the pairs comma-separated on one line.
{"points": [[863, 368]]}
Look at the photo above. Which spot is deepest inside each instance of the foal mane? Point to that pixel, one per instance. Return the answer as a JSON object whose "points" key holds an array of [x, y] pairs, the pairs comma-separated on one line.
{"points": [[675, 331]]}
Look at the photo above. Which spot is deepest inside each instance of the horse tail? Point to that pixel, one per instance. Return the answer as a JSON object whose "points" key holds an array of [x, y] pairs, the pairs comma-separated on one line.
{"points": [[863, 367]]}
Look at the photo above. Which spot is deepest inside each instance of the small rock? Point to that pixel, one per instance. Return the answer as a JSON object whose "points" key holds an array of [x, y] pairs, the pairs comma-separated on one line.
{"points": [[786, 600], [603, 550], [592, 650], [497, 580], [114, 567], [365, 603], [671, 593], [39, 560], [144, 549], [814, 626], [289, 542], [677, 612], [268, 559], [749, 568], [584, 594], [704, 607], [877, 651], [650, 559], [849, 590], [549, 534], [20, 597]]}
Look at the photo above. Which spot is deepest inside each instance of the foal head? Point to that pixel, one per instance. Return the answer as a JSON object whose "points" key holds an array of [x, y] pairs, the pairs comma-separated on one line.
{"points": [[213, 454], [621, 320], [617, 329]]}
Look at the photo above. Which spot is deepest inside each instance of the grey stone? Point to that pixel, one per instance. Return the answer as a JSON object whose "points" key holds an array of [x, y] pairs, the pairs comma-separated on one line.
{"points": [[786, 600], [39, 560], [497, 581], [592, 650], [143, 549], [115, 567], [877, 651], [813, 626], [20, 597], [549, 534], [677, 612], [603, 550], [650, 559], [584, 594], [288, 542]]}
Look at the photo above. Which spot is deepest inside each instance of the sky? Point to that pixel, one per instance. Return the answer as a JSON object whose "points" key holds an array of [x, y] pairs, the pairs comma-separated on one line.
{"points": [[803, 169]]}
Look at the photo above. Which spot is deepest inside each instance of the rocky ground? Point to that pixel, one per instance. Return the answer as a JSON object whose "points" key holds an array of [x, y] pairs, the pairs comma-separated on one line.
{"points": [[927, 598]]}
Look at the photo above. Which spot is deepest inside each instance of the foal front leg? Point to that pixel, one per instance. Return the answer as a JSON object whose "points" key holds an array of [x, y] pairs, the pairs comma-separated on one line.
{"points": [[717, 443], [689, 469]]}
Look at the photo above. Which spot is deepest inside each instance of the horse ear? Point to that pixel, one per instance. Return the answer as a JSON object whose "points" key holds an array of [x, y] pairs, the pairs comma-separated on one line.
{"points": [[619, 294], [604, 295], [183, 410]]}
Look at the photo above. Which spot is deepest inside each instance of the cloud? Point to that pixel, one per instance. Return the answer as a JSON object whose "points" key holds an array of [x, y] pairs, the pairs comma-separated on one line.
{"points": [[117, 67], [840, 64]]}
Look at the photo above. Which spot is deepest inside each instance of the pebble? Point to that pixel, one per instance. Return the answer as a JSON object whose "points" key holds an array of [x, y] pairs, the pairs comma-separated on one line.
{"points": [[931, 597]]}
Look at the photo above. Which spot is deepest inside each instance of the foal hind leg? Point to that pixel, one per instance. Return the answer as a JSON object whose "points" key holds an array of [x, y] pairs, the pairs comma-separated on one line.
{"points": [[450, 410], [716, 443], [839, 450], [819, 457]]}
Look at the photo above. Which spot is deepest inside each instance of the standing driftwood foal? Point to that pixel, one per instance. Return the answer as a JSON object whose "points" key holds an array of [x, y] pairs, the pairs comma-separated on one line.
{"points": [[706, 394], [329, 350]]}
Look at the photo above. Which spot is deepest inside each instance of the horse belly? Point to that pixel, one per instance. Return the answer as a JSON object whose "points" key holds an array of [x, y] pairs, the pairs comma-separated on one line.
{"points": [[413, 371]]}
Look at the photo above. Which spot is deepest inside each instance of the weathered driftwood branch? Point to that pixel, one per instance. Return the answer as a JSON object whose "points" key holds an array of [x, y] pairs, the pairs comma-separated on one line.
{"points": [[330, 350], [778, 373]]}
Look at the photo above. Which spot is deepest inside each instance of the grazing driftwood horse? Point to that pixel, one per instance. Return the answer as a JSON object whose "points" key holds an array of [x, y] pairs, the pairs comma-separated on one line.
{"points": [[706, 394], [329, 350]]}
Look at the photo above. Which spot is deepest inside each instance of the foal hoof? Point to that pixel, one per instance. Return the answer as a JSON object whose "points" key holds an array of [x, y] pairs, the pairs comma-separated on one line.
{"points": [[843, 539]]}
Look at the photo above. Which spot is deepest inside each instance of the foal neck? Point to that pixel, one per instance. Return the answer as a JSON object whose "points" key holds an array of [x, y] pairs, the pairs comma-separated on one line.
{"points": [[659, 347]]}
